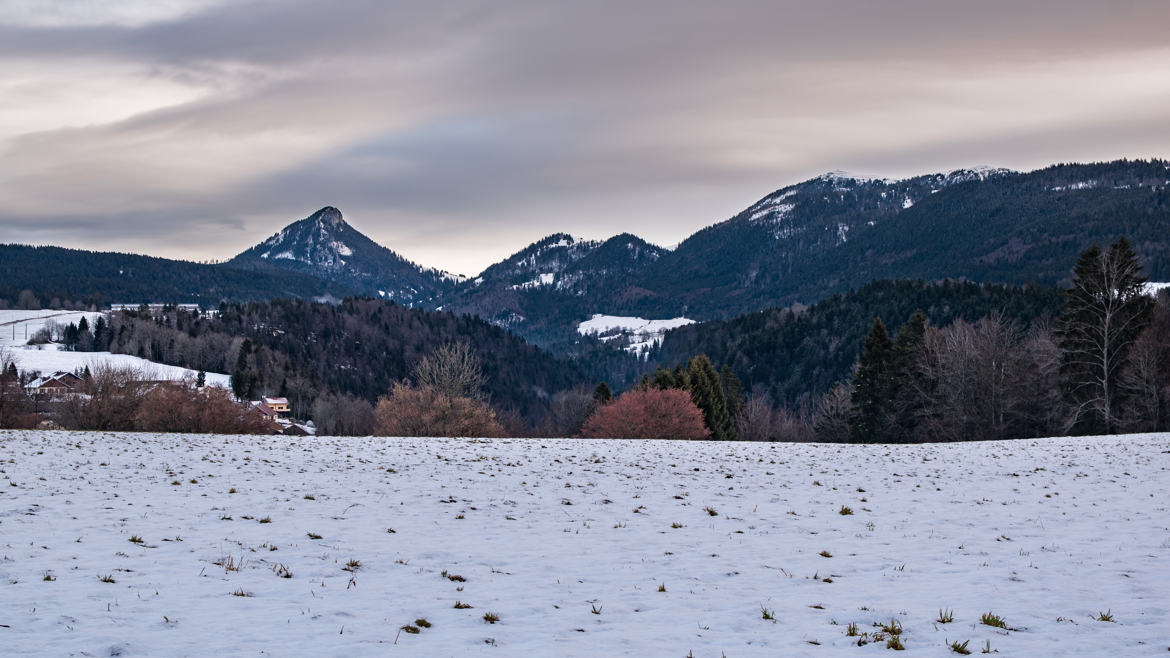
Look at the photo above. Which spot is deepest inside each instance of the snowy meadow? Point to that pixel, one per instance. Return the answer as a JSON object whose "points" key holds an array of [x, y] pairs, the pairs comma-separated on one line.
{"points": [[145, 544]]}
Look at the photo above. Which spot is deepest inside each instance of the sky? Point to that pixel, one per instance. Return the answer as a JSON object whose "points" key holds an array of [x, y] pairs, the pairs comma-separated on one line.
{"points": [[456, 132]]}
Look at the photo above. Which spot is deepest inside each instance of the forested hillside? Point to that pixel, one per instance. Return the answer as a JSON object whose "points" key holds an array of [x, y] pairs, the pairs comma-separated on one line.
{"points": [[795, 354], [97, 278], [358, 348]]}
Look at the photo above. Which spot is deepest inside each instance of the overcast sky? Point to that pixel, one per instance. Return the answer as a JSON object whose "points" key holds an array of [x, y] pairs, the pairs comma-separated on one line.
{"points": [[458, 132]]}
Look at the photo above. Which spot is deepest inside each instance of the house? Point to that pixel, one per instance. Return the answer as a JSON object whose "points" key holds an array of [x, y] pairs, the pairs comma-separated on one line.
{"points": [[270, 417], [297, 429], [54, 385], [259, 407], [279, 405]]}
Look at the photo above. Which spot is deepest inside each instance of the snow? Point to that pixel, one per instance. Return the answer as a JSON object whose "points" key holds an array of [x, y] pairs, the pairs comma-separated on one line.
{"points": [[16, 326], [342, 248], [286, 255], [1081, 185], [840, 176], [544, 279], [599, 324], [776, 212], [842, 232], [907, 202], [643, 334], [980, 173], [1043, 533], [1152, 288]]}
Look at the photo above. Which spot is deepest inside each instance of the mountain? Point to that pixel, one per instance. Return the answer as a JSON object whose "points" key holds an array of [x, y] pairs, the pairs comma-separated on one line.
{"points": [[325, 246], [543, 290], [838, 231], [797, 245], [807, 241], [90, 277]]}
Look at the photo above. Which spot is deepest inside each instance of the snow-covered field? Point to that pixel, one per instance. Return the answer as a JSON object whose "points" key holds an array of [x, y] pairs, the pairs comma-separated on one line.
{"points": [[16, 327], [581, 547], [642, 333]]}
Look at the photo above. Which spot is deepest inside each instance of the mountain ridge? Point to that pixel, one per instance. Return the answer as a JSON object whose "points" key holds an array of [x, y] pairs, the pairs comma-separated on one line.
{"points": [[326, 246]]}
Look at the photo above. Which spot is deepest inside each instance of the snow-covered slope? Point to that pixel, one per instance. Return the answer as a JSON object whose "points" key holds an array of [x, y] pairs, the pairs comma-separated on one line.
{"points": [[17, 326], [641, 333], [679, 547]]}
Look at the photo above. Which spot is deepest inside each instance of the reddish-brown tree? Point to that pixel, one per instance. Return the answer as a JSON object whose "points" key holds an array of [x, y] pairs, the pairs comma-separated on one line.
{"points": [[178, 408], [648, 414], [425, 411]]}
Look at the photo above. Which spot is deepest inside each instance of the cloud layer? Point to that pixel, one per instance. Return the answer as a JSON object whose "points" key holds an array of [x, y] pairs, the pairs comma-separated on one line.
{"points": [[456, 132]]}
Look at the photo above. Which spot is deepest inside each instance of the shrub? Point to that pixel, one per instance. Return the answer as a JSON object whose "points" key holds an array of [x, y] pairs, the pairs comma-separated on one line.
{"points": [[648, 414], [424, 411], [167, 407]]}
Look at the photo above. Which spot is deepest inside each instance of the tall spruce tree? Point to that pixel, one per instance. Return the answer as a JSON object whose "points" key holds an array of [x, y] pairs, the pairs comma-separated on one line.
{"points": [[703, 382], [907, 403], [1104, 312], [869, 420], [732, 392], [602, 395], [243, 379]]}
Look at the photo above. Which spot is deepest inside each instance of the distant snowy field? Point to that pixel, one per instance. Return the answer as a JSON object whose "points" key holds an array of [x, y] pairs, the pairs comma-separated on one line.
{"points": [[16, 327], [643, 334], [1046, 534]]}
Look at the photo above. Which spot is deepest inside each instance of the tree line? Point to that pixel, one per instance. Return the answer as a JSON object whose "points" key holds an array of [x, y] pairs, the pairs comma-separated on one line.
{"points": [[1099, 367]]}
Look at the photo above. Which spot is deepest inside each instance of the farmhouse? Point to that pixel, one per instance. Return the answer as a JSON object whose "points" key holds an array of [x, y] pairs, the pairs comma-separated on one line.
{"points": [[279, 405], [54, 385]]}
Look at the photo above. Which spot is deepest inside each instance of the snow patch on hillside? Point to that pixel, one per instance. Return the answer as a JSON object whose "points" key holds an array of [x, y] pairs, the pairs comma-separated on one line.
{"points": [[1081, 185], [641, 333], [545, 279], [17, 326], [1152, 288]]}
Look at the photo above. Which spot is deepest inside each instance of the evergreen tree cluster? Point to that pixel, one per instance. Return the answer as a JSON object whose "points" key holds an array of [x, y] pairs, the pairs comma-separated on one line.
{"points": [[1100, 371], [795, 355], [717, 394]]}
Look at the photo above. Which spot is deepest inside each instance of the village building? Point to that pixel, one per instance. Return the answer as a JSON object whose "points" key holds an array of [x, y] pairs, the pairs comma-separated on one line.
{"points": [[279, 405], [55, 385]]}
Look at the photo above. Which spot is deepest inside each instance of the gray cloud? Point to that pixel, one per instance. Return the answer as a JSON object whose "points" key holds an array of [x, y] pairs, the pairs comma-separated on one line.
{"points": [[457, 132]]}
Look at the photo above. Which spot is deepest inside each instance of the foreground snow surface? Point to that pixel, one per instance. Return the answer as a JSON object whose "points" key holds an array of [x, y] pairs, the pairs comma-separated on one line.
{"points": [[1046, 534]]}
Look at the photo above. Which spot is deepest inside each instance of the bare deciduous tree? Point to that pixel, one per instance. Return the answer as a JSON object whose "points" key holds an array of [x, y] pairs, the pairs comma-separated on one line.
{"points": [[343, 415], [831, 415], [1105, 311], [454, 370]]}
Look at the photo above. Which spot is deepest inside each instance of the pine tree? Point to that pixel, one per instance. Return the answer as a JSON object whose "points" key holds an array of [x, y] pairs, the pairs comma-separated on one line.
{"points": [[703, 382], [243, 380], [201, 379], [664, 379], [602, 395], [1104, 312], [100, 339], [869, 421], [732, 392], [906, 401]]}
